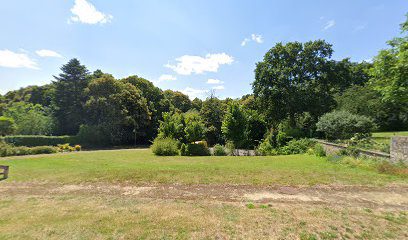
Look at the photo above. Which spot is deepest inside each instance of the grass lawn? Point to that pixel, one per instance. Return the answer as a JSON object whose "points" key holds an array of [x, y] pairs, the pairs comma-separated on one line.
{"points": [[385, 137], [141, 166], [132, 194]]}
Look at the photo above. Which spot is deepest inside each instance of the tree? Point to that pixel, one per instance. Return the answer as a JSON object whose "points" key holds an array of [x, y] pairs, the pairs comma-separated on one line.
{"points": [[157, 103], [292, 79], [197, 104], [363, 100], [172, 126], [234, 124], [69, 97], [178, 100], [30, 119], [389, 73], [118, 108], [255, 128], [6, 126], [213, 112], [194, 126]]}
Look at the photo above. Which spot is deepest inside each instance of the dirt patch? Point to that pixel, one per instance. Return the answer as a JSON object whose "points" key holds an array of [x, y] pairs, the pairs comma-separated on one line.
{"points": [[391, 197], [278, 196]]}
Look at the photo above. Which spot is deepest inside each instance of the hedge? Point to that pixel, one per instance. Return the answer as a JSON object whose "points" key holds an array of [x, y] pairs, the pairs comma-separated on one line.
{"points": [[38, 140]]}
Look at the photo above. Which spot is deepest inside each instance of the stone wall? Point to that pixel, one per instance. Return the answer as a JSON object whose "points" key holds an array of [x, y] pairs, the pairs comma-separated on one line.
{"points": [[333, 148], [399, 149]]}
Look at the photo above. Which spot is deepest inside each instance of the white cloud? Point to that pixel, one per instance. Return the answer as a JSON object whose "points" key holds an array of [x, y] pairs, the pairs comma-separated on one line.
{"points": [[214, 81], [245, 41], [193, 93], [188, 64], [221, 87], [47, 53], [329, 24], [11, 59], [167, 77], [85, 12], [257, 38], [254, 37]]}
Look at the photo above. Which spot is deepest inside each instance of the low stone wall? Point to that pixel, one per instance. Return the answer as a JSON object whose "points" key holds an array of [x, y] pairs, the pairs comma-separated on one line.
{"points": [[239, 152], [333, 148], [399, 149]]}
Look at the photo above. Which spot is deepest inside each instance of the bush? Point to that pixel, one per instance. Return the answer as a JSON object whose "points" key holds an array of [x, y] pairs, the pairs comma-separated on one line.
{"points": [[319, 150], [194, 149], [165, 147], [265, 149], [230, 148], [43, 150], [219, 150], [7, 126], [77, 148], [343, 125], [296, 146], [10, 150], [38, 140]]}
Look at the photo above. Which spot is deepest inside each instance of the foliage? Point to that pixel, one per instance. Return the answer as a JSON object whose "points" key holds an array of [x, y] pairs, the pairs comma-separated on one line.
{"points": [[38, 140], [319, 150], [233, 126], [30, 119], [219, 150], [292, 79], [255, 128], [165, 147], [363, 100], [69, 97], [117, 109], [7, 126], [178, 100], [266, 148], [196, 104], [10, 150], [343, 125], [194, 149], [230, 148], [213, 112], [172, 126], [194, 127], [156, 101], [297, 146]]}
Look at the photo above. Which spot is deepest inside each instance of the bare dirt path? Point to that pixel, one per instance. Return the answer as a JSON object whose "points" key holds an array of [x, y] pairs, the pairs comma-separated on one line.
{"points": [[391, 197]]}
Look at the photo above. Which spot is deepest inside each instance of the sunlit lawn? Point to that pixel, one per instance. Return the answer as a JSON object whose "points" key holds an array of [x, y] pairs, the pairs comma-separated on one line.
{"points": [[141, 166]]}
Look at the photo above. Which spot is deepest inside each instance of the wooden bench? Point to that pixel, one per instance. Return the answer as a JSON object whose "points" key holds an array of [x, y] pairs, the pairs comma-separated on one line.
{"points": [[4, 173]]}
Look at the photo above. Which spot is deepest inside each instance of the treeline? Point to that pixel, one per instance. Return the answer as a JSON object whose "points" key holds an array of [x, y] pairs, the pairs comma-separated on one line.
{"points": [[295, 85]]}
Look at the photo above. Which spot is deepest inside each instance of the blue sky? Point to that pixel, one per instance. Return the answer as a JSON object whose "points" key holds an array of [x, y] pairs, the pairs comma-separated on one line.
{"points": [[188, 45]]}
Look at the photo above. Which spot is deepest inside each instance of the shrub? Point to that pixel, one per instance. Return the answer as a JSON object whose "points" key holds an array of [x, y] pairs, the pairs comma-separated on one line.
{"points": [[296, 146], [230, 148], [194, 149], [319, 150], [38, 140], [78, 148], [43, 150], [265, 149], [7, 126], [219, 150], [165, 147], [343, 125]]}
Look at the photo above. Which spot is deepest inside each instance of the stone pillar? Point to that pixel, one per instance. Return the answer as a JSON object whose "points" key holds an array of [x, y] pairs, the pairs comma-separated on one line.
{"points": [[399, 149]]}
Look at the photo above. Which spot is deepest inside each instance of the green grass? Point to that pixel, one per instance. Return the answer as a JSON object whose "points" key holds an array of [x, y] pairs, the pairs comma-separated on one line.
{"points": [[141, 166], [385, 137]]}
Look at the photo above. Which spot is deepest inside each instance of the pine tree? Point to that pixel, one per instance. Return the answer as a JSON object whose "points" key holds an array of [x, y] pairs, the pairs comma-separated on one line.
{"points": [[69, 97]]}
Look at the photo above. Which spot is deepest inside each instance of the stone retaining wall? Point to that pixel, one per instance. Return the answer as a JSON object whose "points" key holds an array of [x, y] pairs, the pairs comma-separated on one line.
{"points": [[333, 148], [399, 149]]}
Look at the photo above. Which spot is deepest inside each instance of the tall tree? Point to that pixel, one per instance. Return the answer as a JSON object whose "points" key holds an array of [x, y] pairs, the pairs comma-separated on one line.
{"points": [[118, 109], [69, 97], [178, 100], [292, 79], [234, 125], [212, 112]]}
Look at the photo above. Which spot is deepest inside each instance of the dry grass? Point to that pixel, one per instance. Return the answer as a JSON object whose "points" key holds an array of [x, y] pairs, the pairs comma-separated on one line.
{"points": [[111, 217]]}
